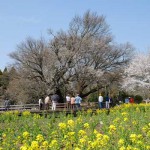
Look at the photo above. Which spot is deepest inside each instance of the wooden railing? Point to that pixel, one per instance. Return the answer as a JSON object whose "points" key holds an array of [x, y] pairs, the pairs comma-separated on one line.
{"points": [[59, 106]]}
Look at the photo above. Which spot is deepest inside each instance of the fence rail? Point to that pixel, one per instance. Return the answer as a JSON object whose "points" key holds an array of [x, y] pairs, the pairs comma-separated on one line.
{"points": [[59, 106]]}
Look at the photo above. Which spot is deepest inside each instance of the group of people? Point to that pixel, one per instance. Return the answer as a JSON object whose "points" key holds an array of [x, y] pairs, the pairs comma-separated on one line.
{"points": [[108, 100], [49, 99], [71, 102], [129, 100]]}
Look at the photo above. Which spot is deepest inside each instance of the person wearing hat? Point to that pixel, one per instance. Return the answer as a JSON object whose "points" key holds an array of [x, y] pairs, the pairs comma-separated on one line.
{"points": [[100, 101]]}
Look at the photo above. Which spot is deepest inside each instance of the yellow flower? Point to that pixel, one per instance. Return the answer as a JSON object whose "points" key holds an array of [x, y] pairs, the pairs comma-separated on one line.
{"points": [[71, 134], [148, 133], [86, 125], [26, 134], [129, 147], [98, 111], [133, 137], [26, 113], [139, 142], [134, 122], [39, 137], [82, 141], [93, 144], [106, 138], [137, 109], [112, 128], [139, 136], [4, 135], [81, 133], [116, 120], [77, 148], [144, 129], [122, 148], [121, 142], [148, 147], [53, 143], [16, 112], [23, 147], [126, 119], [45, 144], [79, 120], [34, 145], [89, 111], [36, 116], [54, 133], [124, 114], [99, 135], [62, 126], [95, 131], [70, 123]]}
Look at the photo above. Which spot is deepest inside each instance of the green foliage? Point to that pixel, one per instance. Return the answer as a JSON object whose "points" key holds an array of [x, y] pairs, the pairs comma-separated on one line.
{"points": [[93, 97], [1, 72], [138, 99]]}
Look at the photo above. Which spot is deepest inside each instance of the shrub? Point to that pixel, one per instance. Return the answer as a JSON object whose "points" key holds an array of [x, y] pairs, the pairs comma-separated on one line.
{"points": [[138, 99]]}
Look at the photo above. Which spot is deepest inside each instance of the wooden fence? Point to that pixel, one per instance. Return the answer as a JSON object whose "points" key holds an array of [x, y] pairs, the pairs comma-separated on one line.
{"points": [[59, 106]]}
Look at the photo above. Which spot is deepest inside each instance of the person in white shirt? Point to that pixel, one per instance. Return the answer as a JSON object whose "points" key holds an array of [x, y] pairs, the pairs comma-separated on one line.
{"points": [[55, 98], [40, 104], [100, 101], [47, 102], [68, 101]]}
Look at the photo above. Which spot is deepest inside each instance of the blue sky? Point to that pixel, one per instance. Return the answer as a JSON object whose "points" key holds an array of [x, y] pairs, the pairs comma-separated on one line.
{"points": [[129, 20]]}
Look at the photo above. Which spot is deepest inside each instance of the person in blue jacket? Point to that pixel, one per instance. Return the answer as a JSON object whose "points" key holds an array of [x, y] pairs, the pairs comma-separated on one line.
{"points": [[78, 100]]}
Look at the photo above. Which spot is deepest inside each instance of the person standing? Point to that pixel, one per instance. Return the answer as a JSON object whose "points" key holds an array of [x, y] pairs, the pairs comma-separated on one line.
{"points": [[40, 104], [68, 101], [78, 100], [55, 98], [6, 104], [72, 102], [100, 101], [107, 102], [131, 100], [47, 102], [126, 100]]}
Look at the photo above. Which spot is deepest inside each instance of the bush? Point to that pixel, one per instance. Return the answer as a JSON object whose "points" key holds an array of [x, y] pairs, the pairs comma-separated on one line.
{"points": [[138, 99]]}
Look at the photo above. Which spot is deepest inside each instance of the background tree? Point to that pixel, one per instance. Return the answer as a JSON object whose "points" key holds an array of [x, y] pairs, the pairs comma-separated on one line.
{"points": [[82, 59], [86, 55], [5, 78], [137, 75]]}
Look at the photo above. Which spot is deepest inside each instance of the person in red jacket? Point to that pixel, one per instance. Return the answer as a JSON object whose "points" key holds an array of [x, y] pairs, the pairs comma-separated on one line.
{"points": [[131, 100]]}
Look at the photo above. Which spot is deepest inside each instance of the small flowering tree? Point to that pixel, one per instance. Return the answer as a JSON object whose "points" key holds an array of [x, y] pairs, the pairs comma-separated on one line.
{"points": [[137, 73]]}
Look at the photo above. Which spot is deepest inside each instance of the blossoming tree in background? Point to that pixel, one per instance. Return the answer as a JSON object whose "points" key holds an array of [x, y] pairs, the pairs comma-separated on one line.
{"points": [[137, 74]]}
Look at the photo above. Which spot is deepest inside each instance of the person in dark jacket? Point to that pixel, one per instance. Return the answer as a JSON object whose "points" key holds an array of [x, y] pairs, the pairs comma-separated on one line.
{"points": [[55, 98], [7, 104], [107, 102]]}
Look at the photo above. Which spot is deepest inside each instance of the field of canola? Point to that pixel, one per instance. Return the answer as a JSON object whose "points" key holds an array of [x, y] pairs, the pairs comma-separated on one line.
{"points": [[125, 128]]}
